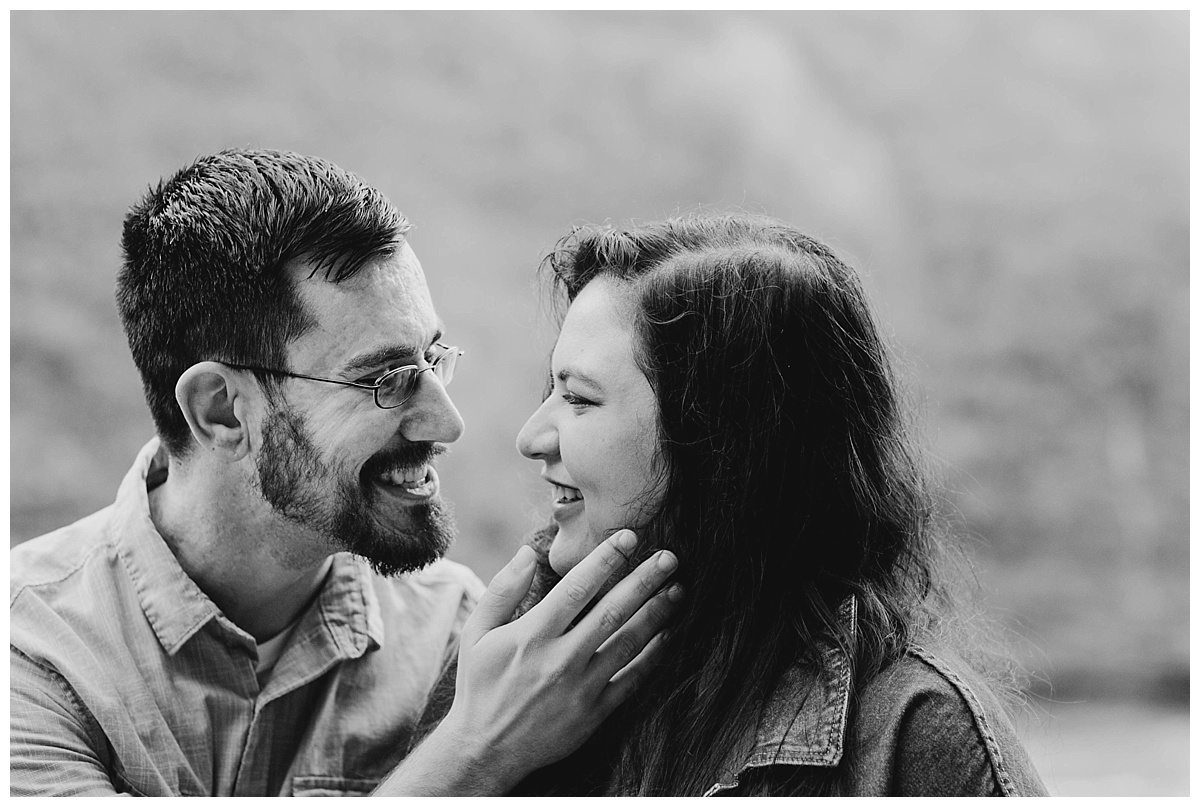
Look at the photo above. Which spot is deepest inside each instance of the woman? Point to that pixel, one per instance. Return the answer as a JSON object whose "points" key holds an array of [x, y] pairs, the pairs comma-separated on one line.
{"points": [[719, 386]]}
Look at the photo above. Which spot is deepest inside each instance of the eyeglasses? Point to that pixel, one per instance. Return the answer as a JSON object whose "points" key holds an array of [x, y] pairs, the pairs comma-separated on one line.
{"points": [[392, 388]]}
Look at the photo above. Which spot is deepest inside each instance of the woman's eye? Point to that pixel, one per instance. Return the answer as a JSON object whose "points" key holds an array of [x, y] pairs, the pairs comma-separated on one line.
{"points": [[577, 400]]}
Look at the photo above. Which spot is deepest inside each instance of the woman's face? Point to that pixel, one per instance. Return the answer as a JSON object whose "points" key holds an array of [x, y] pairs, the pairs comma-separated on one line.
{"points": [[596, 433]]}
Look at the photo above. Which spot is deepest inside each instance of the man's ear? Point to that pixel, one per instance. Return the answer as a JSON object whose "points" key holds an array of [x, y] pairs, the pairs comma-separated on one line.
{"points": [[210, 395]]}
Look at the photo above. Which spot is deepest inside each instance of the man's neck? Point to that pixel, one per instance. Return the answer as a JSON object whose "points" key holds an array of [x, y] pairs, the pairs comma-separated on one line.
{"points": [[231, 549]]}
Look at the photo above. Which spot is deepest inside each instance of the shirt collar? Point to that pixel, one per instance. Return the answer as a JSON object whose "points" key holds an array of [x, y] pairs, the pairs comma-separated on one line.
{"points": [[350, 607], [804, 720], [172, 602], [345, 624], [176, 607]]}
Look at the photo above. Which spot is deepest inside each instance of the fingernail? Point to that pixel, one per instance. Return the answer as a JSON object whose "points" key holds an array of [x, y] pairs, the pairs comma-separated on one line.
{"points": [[523, 559], [626, 539], [667, 561], [675, 593]]}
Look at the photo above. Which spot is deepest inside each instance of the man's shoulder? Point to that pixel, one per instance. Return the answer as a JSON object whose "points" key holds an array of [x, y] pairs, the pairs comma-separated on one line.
{"points": [[449, 572], [426, 608], [441, 578], [67, 589], [58, 559]]}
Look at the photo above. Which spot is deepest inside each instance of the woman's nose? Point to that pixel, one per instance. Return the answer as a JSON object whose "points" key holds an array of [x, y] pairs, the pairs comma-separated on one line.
{"points": [[538, 438]]}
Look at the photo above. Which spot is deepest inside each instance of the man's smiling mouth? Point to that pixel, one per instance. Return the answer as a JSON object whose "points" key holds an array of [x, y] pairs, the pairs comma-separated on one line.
{"points": [[417, 481], [406, 472]]}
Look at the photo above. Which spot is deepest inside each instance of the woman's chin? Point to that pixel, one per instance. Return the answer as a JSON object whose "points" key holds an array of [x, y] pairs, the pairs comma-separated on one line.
{"points": [[567, 550], [559, 561]]}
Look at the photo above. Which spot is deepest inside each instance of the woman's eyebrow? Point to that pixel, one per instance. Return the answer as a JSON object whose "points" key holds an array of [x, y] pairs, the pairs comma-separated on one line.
{"points": [[580, 376]]}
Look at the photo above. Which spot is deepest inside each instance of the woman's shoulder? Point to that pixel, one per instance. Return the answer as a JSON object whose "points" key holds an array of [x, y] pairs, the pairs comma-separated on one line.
{"points": [[933, 725]]}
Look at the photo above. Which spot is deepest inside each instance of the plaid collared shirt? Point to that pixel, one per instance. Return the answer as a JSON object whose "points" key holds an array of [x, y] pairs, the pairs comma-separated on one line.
{"points": [[125, 677]]}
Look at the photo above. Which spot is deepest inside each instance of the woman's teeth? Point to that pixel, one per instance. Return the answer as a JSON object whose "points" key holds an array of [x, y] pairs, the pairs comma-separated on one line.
{"points": [[564, 495]]}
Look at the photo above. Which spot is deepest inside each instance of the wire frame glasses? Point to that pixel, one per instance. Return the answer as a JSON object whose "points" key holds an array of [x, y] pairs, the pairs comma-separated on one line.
{"points": [[394, 387]]}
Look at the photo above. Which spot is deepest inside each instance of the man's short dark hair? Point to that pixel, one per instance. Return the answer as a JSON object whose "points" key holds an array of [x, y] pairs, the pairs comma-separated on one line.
{"points": [[205, 253]]}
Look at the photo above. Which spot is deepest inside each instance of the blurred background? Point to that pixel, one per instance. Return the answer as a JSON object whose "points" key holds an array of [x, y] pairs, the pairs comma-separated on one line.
{"points": [[1013, 187]]}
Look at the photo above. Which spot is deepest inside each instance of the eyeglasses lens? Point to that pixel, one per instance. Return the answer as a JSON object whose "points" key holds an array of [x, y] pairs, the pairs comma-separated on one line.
{"points": [[396, 388], [399, 387], [443, 366]]}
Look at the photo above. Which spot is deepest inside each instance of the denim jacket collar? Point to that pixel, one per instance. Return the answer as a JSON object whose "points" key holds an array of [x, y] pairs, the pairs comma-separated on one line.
{"points": [[804, 720]]}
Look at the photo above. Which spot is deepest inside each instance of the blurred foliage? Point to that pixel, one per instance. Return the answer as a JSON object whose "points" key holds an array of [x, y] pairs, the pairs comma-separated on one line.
{"points": [[1013, 186]]}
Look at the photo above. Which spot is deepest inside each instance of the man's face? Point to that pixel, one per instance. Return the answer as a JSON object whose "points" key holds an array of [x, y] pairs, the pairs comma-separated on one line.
{"points": [[357, 476]]}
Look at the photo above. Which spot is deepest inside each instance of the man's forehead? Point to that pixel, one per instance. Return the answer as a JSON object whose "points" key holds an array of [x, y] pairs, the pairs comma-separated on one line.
{"points": [[386, 303], [398, 266]]}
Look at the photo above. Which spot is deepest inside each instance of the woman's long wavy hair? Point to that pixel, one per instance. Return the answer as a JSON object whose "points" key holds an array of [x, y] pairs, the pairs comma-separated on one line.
{"points": [[792, 483]]}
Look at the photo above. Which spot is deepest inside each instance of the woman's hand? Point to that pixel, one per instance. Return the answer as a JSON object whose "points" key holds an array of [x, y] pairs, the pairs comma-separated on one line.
{"points": [[530, 691]]}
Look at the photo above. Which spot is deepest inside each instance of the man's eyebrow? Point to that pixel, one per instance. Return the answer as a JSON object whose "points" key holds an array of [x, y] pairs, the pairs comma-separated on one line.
{"points": [[389, 354]]}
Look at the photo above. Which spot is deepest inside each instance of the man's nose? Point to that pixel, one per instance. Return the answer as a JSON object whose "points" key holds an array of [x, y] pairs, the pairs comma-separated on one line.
{"points": [[538, 438], [429, 415]]}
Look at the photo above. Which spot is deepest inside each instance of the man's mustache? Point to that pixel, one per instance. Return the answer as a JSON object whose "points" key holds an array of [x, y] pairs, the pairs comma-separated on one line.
{"points": [[408, 455]]}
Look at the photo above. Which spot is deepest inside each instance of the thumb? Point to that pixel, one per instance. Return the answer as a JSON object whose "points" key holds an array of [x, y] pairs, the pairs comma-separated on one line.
{"points": [[503, 595]]}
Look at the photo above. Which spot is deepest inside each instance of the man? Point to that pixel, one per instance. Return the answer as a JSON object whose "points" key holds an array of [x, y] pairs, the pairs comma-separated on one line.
{"points": [[264, 608]]}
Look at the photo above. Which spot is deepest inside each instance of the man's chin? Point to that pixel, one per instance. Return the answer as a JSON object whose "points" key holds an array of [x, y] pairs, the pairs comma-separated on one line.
{"points": [[424, 537]]}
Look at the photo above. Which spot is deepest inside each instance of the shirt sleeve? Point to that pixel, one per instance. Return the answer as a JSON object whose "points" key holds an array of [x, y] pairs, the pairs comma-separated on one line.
{"points": [[53, 741]]}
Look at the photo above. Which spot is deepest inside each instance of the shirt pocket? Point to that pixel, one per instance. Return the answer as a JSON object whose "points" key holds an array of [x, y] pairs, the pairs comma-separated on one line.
{"points": [[332, 786]]}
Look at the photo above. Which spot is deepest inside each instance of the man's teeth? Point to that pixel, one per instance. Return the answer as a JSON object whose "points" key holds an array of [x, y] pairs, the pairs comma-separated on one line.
{"points": [[408, 478], [565, 494]]}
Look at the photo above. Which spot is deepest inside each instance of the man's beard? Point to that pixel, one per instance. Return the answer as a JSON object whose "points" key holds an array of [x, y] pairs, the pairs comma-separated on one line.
{"points": [[301, 486]]}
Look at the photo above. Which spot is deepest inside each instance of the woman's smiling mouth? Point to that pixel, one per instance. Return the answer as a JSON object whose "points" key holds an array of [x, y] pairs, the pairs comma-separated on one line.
{"points": [[564, 494], [567, 501]]}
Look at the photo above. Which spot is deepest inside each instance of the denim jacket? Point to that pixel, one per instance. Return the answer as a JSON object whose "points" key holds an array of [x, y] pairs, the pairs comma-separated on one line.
{"points": [[922, 727]]}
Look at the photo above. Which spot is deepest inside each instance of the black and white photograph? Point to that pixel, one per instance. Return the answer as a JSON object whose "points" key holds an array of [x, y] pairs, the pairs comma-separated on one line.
{"points": [[667, 402]]}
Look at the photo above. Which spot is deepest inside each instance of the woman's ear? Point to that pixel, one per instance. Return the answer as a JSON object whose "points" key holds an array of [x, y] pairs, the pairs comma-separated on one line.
{"points": [[209, 396]]}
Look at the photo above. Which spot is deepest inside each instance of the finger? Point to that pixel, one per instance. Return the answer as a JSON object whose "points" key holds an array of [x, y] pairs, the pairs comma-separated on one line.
{"points": [[626, 682], [502, 597], [623, 601], [632, 638], [567, 599]]}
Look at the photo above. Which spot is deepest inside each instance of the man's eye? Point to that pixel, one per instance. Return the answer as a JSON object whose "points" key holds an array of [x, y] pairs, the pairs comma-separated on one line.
{"points": [[373, 378], [436, 352]]}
